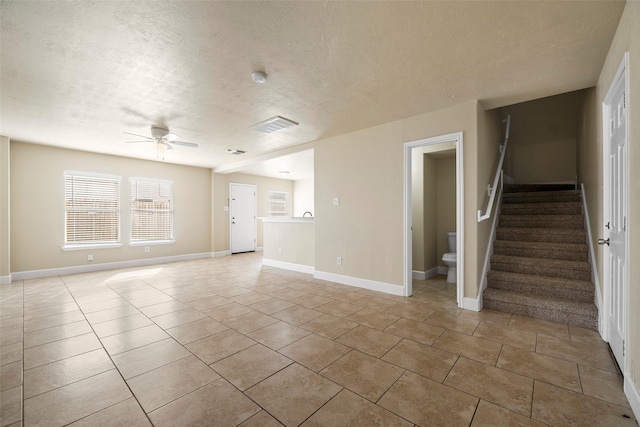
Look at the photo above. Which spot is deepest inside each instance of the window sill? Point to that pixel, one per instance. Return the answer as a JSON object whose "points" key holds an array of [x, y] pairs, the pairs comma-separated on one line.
{"points": [[73, 247], [152, 242]]}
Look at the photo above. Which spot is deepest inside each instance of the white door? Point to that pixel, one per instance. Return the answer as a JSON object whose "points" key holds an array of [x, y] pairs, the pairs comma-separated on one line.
{"points": [[242, 218], [615, 216]]}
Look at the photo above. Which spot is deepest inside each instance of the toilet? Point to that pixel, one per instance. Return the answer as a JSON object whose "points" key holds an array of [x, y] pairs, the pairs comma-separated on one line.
{"points": [[450, 259]]}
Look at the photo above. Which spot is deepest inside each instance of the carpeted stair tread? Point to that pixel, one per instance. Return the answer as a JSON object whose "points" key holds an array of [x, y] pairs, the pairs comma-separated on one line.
{"points": [[530, 234], [576, 290], [542, 221], [528, 188], [558, 208], [583, 314], [577, 270], [564, 251], [542, 197]]}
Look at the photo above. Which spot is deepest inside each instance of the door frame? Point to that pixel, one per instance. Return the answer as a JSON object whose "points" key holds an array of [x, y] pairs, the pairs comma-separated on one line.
{"points": [[622, 73], [255, 214], [457, 137]]}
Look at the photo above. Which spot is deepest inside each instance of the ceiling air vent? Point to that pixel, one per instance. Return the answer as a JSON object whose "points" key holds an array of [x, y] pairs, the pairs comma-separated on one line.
{"points": [[273, 124]]}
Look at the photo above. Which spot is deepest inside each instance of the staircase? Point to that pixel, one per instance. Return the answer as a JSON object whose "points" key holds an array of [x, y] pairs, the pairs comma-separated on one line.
{"points": [[540, 266]]}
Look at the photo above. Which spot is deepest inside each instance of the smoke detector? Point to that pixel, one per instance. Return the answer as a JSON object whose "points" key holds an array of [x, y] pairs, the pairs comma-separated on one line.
{"points": [[259, 77]]}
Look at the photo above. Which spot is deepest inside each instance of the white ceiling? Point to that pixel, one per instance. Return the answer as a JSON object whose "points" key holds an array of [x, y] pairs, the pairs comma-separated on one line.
{"points": [[77, 74]]}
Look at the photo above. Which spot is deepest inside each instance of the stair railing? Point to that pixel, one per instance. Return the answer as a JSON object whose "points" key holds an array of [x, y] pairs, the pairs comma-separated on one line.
{"points": [[493, 189]]}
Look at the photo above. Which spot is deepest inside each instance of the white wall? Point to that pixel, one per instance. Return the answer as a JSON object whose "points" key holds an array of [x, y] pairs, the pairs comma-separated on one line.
{"points": [[303, 197]]}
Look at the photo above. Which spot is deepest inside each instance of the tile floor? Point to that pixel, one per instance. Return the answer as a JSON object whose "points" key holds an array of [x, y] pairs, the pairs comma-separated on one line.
{"points": [[227, 342]]}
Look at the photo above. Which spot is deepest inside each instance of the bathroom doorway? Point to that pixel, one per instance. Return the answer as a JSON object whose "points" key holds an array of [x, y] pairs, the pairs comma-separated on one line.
{"points": [[426, 225]]}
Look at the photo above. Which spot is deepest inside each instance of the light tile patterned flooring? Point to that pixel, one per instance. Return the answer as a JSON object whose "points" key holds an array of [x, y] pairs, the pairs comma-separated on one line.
{"points": [[226, 342]]}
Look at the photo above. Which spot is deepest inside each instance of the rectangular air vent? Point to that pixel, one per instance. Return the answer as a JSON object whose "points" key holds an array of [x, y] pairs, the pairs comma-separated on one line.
{"points": [[273, 124]]}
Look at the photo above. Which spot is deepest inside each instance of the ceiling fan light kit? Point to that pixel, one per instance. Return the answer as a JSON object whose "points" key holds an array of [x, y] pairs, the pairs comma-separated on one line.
{"points": [[164, 140]]}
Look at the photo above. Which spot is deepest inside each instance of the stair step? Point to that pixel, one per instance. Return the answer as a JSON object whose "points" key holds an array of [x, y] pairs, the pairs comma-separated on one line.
{"points": [[542, 197], [582, 314], [542, 221], [575, 270], [556, 235], [557, 208], [528, 188], [565, 251], [552, 287]]}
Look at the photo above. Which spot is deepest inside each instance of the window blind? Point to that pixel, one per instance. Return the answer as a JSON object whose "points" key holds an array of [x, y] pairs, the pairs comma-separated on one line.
{"points": [[151, 210], [278, 203], [92, 209]]}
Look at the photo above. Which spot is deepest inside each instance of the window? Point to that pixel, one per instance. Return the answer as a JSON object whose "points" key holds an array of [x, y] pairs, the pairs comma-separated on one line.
{"points": [[278, 203], [92, 210], [151, 211]]}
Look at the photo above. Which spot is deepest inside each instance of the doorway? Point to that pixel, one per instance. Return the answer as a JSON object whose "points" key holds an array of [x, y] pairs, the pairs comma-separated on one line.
{"points": [[242, 218], [616, 245], [456, 139]]}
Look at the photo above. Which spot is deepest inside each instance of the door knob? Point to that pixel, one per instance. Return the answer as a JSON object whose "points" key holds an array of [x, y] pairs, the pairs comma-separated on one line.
{"points": [[603, 242]]}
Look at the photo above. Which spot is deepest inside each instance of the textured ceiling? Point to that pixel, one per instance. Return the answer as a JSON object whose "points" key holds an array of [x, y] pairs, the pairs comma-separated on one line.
{"points": [[78, 74]]}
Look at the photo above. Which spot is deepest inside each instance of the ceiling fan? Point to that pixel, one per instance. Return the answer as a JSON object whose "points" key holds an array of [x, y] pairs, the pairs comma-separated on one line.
{"points": [[163, 138]]}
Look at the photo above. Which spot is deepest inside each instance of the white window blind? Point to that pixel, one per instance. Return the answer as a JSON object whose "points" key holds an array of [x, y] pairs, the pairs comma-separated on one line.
{"points": [[151, 210], [278, 201], [92, 209]]}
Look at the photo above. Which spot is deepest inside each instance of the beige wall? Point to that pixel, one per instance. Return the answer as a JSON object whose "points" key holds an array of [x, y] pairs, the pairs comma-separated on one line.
{"points": [[219, 217], [5, 249], [542, 143], [365, 169], [430, 212], [37, 206], [289, 242], [263, 185], [627, 38], [446, 204]]}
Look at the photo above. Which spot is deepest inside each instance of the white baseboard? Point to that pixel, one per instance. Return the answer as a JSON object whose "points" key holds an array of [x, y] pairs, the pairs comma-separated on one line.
{"points": [[221, 253], [62, 271], [300, 268], [259, 248], [5, 280], [424, 275], [361, 283], [418, 275], [473, 304], [633, 395]]}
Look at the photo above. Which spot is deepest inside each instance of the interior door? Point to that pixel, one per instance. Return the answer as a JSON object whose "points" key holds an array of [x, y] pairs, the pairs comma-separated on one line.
{"points": [[616, 219], [242, 218]]}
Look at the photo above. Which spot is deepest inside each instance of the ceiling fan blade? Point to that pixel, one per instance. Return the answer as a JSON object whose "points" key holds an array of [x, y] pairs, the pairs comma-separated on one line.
{"points": [[171, 137], [128, 142], [185, 144], [141, 136]]}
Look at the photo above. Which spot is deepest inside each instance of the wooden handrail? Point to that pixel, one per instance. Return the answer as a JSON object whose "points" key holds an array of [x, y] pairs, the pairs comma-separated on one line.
{"points": [[498, 178]]}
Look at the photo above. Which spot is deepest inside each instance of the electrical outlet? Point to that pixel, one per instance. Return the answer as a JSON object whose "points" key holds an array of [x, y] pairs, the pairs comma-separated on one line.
{"points": [[339, 260], [146, 249], [89, 257], [336, 201]]}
